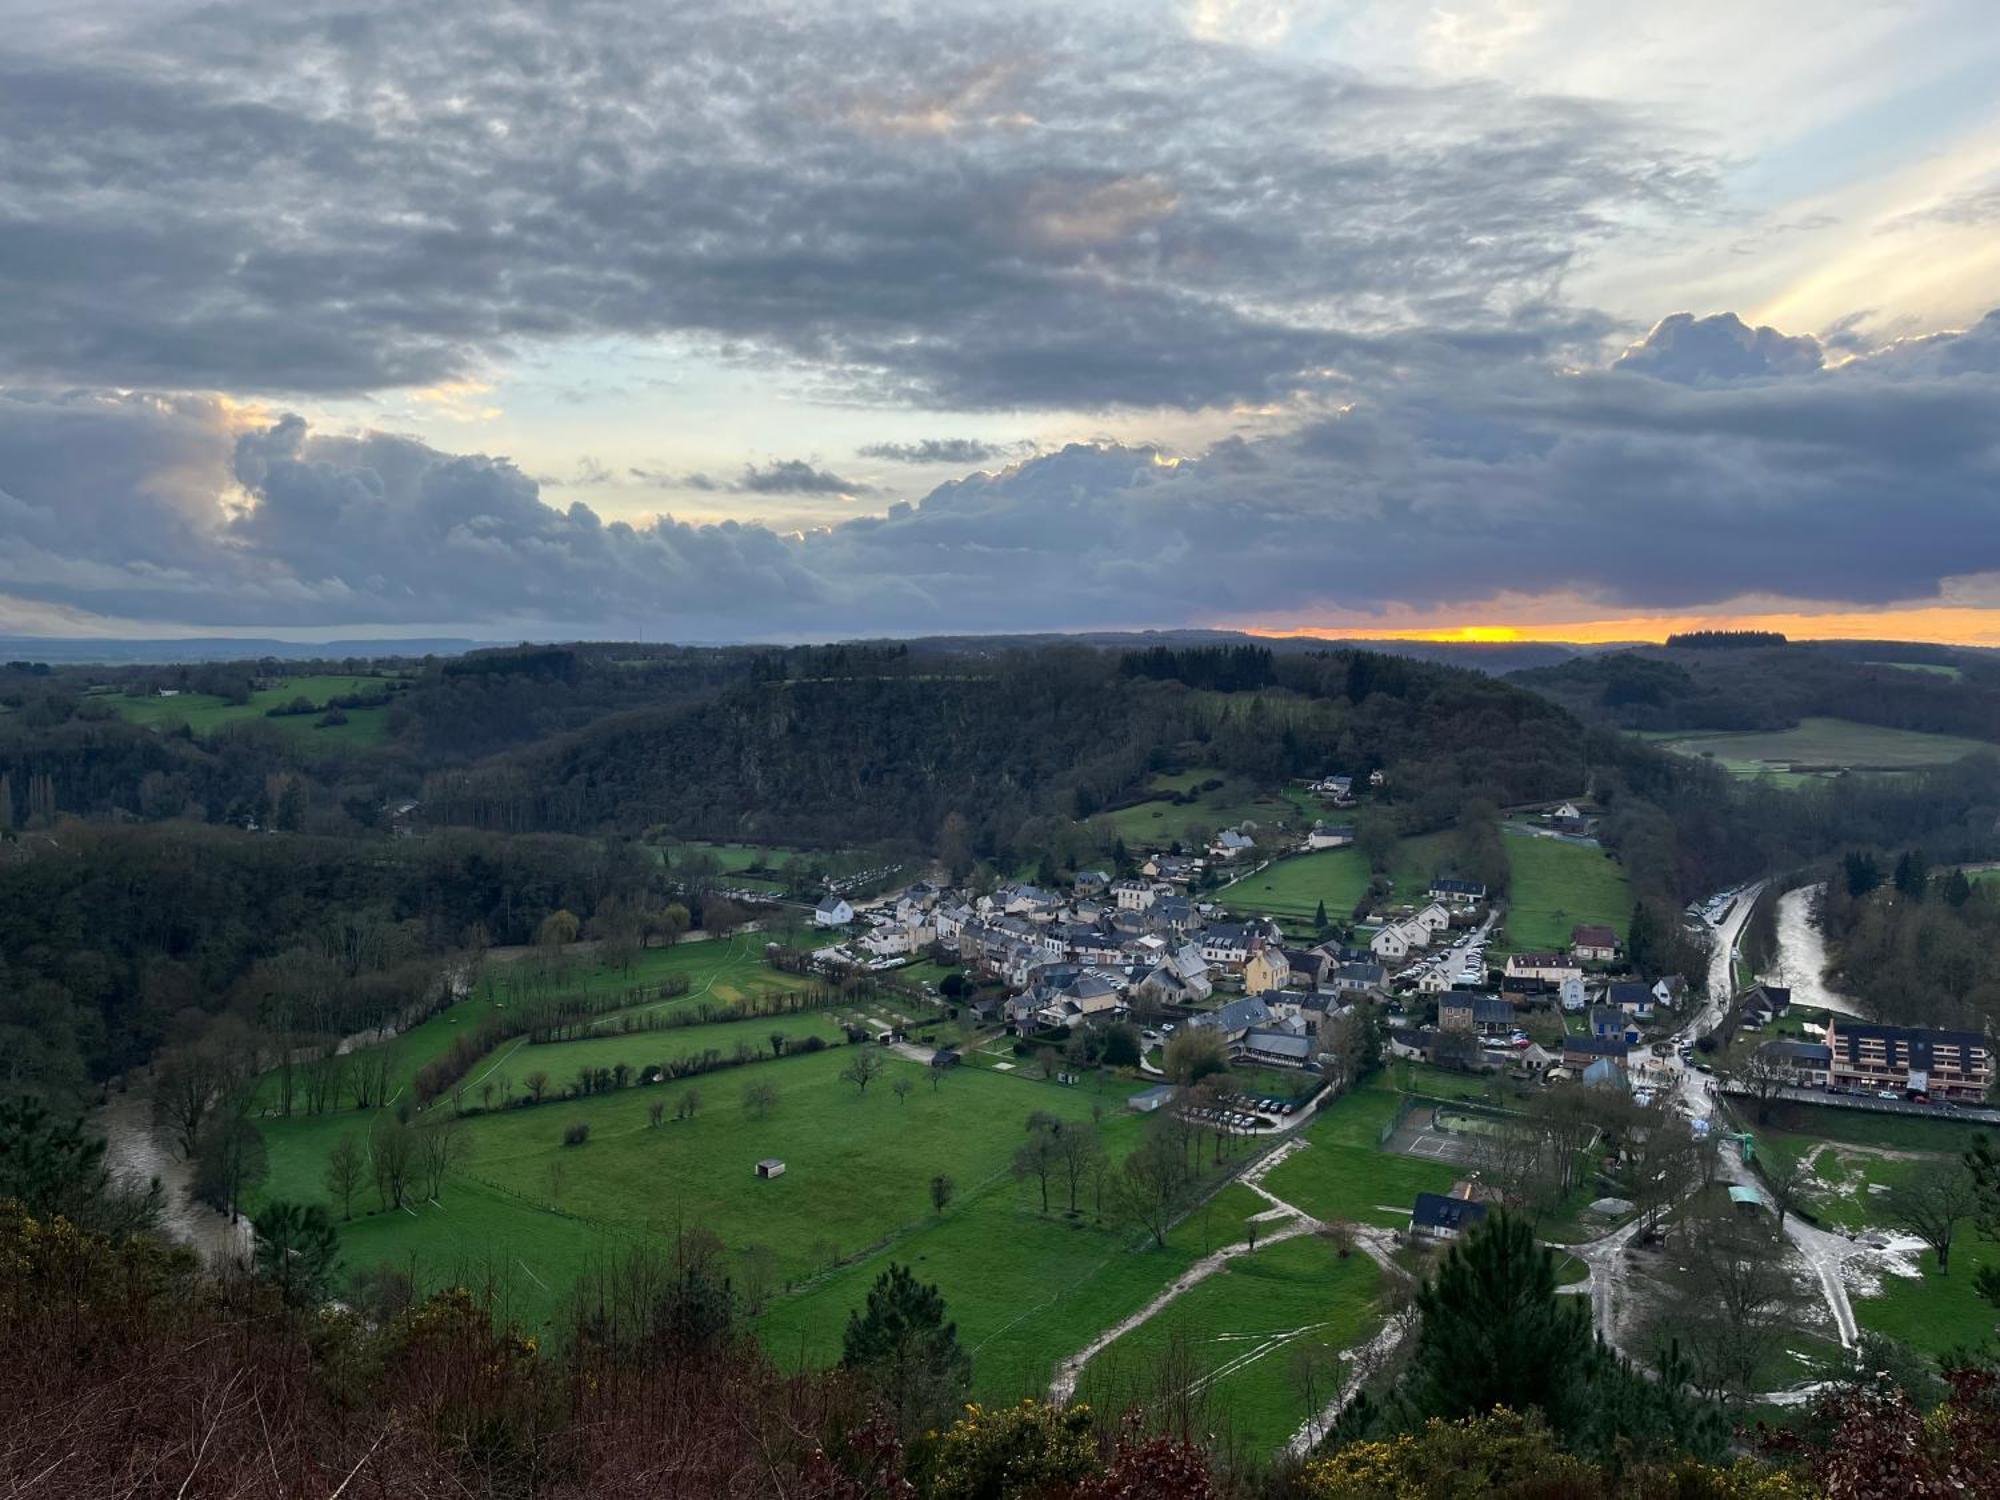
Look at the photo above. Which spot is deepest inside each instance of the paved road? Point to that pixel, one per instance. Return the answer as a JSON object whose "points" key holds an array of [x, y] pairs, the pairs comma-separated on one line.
{"points": [[1822, 1252], [1975, 1113]]}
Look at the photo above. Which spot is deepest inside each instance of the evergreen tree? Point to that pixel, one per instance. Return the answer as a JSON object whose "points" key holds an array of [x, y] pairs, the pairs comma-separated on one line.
{"points": [[1957, 889], [1319, 916], [902, 1345], [1862, 873], [1911, 875], [297, 1250], [1494, 1332]]}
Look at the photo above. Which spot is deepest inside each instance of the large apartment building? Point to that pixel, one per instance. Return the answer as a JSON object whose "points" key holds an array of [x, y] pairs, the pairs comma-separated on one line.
{"points": [[1943, 1064]]}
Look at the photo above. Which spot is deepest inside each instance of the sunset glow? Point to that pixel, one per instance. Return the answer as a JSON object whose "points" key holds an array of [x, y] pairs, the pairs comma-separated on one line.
{"points": [[1947, 624]]}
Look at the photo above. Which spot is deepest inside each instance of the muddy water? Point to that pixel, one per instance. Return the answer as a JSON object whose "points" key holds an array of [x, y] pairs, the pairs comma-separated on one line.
{"points": [[134, 1149], [1800, 959]]}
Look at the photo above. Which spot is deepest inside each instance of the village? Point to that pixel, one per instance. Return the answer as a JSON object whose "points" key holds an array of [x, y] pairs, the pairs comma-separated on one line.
{"points": [[1430, 980]]}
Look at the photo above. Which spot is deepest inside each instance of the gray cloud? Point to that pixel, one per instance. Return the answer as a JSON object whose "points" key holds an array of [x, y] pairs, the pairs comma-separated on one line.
{"points": [[1498, 475], [1052, 209], [1704, 351], [938, 451], [794, 476]]}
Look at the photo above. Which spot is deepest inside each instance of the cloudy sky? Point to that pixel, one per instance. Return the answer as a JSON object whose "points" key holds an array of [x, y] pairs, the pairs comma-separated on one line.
{"points": [[1573, 318]]}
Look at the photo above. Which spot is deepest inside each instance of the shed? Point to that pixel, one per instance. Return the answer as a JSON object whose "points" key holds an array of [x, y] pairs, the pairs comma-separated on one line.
{"points": [[770, 1166]]}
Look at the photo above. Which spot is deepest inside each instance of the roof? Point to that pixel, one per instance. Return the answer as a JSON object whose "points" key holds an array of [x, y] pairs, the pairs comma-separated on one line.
{"points": [[1537, 961], [831, 904], [1903, 1046], [1484, 1008], [1607, 1015], [1592, 935], [1238, 1015], [1279, 1044], [1437, 1211], [1742, 1193], [1457, 888], [1630, 992], [1799, 1052], [1613, 1047]]}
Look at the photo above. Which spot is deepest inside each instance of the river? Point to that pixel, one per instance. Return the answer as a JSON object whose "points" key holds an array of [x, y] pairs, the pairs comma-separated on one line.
{"points": [[1799, 962], [134, 1150]]}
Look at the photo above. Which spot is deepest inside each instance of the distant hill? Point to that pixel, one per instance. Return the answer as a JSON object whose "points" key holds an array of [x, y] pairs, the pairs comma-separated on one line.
{"points": [[1894, 684], [82, 650]]}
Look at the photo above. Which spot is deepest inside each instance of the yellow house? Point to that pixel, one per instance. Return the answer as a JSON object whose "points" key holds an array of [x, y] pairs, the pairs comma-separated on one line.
{"points": [[1266, 969]]}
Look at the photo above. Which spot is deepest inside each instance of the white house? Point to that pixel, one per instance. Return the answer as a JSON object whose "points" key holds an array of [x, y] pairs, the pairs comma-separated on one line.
{"points": [[1392, 943], [1230, 842], [1137, 895], [1330, 836], [1572, 992], [1433, 918], [1553, 967], [832, 911], [892, 940]]}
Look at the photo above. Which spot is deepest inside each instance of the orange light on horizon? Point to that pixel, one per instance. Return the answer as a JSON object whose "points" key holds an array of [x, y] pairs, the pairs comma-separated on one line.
{"points": [[1950, 625]]}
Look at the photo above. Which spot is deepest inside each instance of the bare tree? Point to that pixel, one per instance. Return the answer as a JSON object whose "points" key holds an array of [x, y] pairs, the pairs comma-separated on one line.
{"points": [[759, 1099], [943, 1190], [1789, 1178], [901, 1088], [1038, 1155], [439, 1149], [863, 1069], [1764, 1079], [1153, 1184], [1735, 1297], [344, 1170], [394, 1151], [1932, 1202], [1077, 1150], [537, 1084]]}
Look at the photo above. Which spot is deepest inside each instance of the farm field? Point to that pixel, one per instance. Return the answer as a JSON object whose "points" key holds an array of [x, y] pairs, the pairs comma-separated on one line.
{"points": [[1290, 889], [204, 714], [1261, 1338], [1824, 744], [1554, 886], [1159, 822]]}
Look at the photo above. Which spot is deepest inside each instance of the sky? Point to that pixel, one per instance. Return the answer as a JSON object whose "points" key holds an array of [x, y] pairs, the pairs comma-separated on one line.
{"points": [[1535, 319]]}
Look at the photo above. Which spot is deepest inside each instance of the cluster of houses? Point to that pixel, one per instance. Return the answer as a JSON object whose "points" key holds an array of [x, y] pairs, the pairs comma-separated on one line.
{"points": [[1095, 951]]}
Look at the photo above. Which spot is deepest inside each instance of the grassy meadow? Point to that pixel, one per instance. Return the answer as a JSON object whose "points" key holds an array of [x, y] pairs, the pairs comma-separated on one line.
{"points": [[1555, 885], [1260, 1338], [1824, 744], [205, 714]]}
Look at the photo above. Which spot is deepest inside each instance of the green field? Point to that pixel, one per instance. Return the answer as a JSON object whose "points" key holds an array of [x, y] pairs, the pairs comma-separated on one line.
{"points": [[1343, 1173], [1931, 668], [1257, 1338], [1290, 889], [1824, 745], [1555, 885], [1159, 822], [205, 714]]}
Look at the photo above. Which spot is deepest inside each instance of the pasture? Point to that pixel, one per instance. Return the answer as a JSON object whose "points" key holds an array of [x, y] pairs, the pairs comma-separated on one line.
{"points": [[1254, 1349], [1160, 820], [1555, 885], [204, 713], [1291, 888], [1817, 744]]}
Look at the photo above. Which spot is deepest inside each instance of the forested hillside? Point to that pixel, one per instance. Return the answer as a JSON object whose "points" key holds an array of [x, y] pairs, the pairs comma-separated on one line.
{"points": [[1933, 689], [163, 854]]}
